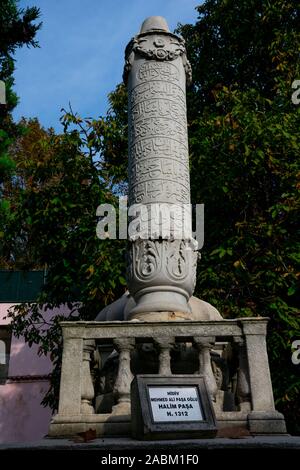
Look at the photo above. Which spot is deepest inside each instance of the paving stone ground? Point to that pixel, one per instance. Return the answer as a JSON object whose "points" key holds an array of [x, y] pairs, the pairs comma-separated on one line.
{"points": [[127, 444]]}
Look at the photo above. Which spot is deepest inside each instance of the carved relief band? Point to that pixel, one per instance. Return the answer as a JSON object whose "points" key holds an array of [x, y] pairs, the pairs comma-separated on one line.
{"points": [[149, 71], [157, 147], [160, 169], [163, 127], [157, 191], [156, 108], [157, 89]]}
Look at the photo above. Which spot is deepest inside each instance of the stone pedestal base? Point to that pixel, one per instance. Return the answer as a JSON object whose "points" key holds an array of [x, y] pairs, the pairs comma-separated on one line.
{"points": [[161, 316], [253, 381], [157, 301], [231, 419], [121, 409], [266, 422], [101, 447], [103, 424], [257, 422]]}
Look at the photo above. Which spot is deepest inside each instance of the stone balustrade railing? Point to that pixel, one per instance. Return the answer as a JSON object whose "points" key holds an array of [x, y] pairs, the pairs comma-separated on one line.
{"points": [[247, 339]]}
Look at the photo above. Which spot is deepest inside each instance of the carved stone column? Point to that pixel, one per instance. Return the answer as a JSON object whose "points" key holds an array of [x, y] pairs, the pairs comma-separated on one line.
{"points": [[164, 345], [204, 345], [87, 388], [162, 255], [124, 377]]}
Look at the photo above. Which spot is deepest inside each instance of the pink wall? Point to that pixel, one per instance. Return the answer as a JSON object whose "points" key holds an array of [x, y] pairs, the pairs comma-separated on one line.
{"points": [[22, 417]]}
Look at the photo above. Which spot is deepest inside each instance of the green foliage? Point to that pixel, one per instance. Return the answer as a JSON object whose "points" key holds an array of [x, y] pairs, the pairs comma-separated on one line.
{"points": [[244, 148], [61, 181], [17, 28], [114, 144]]}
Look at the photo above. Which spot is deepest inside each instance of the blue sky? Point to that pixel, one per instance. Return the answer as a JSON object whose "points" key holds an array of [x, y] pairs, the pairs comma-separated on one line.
{"points": [[81, 54]]}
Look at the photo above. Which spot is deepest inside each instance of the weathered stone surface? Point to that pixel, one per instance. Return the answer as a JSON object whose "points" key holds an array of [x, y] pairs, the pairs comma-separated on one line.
{"points": [[243, 393], [162, 254], [165, 345], [154, 23], [120, 309], [259, 372], [204, 345], [87, 389], [120, 329], [251, 327], [263, 422], [124, 376], [103, 424], [70, 382], [286, 443], [254, 389], [161, 268]]}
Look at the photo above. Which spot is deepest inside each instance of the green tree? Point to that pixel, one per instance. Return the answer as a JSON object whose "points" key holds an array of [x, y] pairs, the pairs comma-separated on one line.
{"points": [[244, 149], [17, 29], [60, 183]]}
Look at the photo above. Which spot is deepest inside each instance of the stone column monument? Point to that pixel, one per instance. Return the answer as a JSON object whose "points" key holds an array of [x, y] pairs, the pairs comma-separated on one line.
{"points": [[162, 254], [230, 354]]}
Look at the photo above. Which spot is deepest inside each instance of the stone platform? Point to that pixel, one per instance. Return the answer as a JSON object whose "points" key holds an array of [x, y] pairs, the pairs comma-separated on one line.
{"points": [[123, 444], [252, 406]]}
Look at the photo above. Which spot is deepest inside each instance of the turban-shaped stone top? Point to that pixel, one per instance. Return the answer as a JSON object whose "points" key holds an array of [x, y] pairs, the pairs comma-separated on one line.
{"points": [[154, 23]]}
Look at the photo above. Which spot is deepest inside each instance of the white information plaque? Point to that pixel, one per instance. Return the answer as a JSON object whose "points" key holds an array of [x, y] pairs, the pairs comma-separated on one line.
{"points": [[175, 403]]}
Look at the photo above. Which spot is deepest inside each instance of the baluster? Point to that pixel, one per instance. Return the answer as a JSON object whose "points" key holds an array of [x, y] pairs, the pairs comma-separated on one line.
{"points": [[124, 376], [164, 345], [87, 387], [243, 385], [204, 345]]}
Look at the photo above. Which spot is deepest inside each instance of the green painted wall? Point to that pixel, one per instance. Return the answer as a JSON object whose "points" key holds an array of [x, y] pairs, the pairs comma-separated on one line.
{"points": [[20, 286]]}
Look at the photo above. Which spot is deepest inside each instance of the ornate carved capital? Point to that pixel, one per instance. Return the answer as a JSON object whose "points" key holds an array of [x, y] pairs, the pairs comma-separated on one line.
{"points": [[162, 46]]}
